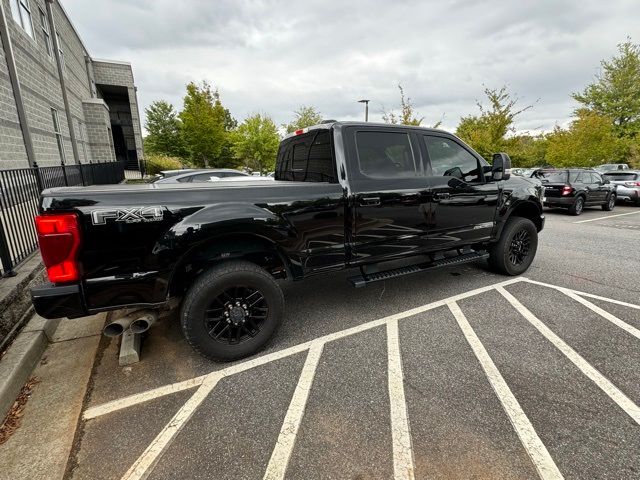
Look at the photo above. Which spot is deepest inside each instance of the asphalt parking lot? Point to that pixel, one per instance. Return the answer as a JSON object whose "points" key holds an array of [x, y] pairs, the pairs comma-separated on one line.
{"points": [[456, 373]]}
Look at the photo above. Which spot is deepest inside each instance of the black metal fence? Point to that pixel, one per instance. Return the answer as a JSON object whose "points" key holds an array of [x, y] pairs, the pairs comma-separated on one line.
{"points": [[19, 195]]}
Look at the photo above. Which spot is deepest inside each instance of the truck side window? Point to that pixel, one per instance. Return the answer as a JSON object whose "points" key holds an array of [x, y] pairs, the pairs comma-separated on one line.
{"points": [[385, 154], [451, 160]]}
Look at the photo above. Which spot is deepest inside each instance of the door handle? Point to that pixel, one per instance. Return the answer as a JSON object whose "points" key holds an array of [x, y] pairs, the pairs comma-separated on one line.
{"points": [[441, 195], [369, 201]]}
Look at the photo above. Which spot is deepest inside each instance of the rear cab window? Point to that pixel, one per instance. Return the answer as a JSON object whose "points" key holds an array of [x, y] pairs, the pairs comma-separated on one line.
{"points": [[308, 157]]}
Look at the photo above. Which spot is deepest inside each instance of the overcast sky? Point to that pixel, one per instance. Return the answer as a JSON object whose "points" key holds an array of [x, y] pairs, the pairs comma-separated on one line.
{"points": [[267, 56]]}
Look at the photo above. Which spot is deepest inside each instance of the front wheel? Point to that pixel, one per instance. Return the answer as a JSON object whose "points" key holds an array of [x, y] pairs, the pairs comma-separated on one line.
{"points": [[611, 203], [516, 248], [231, 311]]}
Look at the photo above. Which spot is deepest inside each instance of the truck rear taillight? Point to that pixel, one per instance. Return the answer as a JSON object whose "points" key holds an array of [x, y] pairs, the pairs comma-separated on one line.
{"points": [[632, 184], [566, 190], [59, 239]]}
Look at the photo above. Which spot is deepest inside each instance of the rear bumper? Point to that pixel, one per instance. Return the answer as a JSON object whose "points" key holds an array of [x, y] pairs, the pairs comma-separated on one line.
{"points": [[50, 301], [559, 201], [628, 193]]}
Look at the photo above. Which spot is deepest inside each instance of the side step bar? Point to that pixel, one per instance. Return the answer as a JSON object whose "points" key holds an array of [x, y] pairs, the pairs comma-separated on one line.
{"points": [[364, 279]]}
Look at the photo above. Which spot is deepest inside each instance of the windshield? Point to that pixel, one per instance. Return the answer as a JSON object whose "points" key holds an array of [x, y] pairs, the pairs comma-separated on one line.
{"points": [[547, 176]]}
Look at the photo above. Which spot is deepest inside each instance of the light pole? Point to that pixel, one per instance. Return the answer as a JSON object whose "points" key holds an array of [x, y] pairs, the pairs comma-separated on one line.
{"points": [[366, 109]]}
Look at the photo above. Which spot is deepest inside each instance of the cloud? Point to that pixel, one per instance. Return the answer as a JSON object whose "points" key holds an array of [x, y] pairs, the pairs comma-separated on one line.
{"points": [[273, 56]]}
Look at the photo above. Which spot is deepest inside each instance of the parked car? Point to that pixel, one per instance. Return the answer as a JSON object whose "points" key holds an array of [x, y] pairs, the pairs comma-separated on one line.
{"points": [[575, 189], [345, 195], [627, 183], [173, 173], [607, 167], [201, 175]]}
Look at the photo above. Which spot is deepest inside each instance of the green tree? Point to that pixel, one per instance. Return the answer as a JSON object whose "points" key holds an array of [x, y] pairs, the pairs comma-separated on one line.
{"points": [[203, 125], [615, 93], [304, 117], [590, 140], [255, 143], [163, 127], [406, 116], [487, 132]]}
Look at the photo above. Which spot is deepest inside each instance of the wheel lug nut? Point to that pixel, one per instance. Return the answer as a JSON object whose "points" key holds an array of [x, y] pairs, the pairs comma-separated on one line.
{"points": [[237, 304], [244, 306]]}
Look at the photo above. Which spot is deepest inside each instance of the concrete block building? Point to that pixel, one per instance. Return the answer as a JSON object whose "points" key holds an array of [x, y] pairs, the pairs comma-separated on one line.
{"points": [[58, 105]]}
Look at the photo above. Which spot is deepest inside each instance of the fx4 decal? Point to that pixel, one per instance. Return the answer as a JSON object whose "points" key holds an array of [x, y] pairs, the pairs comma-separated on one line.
{"points": [[127, 215]]}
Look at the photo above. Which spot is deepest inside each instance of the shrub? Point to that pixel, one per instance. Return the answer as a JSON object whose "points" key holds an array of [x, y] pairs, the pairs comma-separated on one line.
{"points": [[157, 163]]}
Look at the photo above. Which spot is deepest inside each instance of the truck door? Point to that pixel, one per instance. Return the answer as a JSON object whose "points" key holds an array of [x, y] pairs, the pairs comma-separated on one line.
{"points": [[462, 198], [389, 193]]}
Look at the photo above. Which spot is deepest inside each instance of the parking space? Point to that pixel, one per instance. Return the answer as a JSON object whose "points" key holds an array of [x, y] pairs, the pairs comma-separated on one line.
{"points": [[454, 374]]}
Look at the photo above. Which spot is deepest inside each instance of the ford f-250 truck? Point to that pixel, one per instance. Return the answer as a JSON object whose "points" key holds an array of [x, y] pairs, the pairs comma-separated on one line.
{"points": [[345, 195]]}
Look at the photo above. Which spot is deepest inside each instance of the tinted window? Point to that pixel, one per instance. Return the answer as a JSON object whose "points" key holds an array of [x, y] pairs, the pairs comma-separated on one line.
{"points": [[204, 177], [596, 178], [577, 177], [385, 154], [450, 159], [307, 158], [587, 178]]}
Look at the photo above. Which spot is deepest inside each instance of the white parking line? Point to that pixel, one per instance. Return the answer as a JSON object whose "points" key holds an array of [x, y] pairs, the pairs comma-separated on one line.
{"points": [[582, 294], [141, 397], [603, 313], [608, 216], [585, 367], [145, 462], [132, 400], [537, 451], [277, 467], [403, 466]]}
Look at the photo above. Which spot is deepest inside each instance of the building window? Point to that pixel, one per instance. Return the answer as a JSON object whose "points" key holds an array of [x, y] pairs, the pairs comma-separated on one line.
{"points": [[58, 132], [22, 15], [60, 51], [83, 140], [44, 24]]}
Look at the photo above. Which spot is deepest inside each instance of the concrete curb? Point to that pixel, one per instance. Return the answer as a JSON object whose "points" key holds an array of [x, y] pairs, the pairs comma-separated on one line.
{"points": [[22, 357]]}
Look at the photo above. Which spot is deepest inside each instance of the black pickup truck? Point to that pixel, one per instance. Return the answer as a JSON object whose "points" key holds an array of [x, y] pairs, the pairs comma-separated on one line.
{"points": [[345, 195]]}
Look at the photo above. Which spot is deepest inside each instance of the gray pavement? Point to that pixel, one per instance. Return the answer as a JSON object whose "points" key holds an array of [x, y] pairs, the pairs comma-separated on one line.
{"points": [[531, 382]]}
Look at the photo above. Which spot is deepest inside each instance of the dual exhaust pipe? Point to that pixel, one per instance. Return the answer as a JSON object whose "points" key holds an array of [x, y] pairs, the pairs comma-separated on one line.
{"points": [[137, 322]]}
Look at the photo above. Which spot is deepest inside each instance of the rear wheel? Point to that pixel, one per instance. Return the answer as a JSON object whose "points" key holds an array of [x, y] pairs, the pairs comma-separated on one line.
{"points": [[578, 206], [516, 248], [611, 203], [231, 311]]}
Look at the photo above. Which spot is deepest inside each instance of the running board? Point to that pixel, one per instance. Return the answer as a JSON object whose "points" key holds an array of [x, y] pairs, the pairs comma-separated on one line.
{"points": [[362, 280]]}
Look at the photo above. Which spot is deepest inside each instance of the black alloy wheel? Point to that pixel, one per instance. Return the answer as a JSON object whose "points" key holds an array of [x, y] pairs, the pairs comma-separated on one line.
{"points": [[516, 248], [519, 247], [236, 315], [231, 310]]}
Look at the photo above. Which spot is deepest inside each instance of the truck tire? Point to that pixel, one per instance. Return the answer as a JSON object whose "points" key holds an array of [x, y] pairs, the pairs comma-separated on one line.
{"points": [[611, 203], [231, 311], [514, 251], [578, 206]]}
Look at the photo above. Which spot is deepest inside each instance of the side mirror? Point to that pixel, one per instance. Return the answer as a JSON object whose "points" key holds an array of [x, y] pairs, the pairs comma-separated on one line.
{"points": [[501, 168]]}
